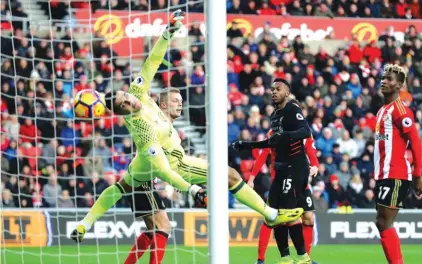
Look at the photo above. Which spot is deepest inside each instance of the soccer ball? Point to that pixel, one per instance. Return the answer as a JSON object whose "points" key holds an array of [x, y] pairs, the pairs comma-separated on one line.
{"points": [[89, 103]]}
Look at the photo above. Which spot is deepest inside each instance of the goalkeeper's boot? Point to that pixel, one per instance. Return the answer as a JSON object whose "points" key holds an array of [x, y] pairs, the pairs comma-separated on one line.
{"points": [[78, 234], [259, 262], [286, 260], [285, 216], [313, 262], [303, 259]]}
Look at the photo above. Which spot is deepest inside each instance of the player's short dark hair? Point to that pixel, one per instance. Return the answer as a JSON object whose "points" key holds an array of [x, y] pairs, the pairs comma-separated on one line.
{"points": [[109, 99], [282, 81], [165, 92]]}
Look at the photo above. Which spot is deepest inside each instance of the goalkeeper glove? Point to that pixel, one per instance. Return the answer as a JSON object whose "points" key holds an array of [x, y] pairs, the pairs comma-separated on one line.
{"points": [[175, 23], [199, 195]]}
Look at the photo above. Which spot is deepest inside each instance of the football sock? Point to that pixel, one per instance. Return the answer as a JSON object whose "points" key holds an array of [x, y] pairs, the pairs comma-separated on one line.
{"points": [[296, 234], [390, 242], [247, 196], [264, 239], [139, 248], [308, 236], [158, 247], [281, 234], [107, 199]]}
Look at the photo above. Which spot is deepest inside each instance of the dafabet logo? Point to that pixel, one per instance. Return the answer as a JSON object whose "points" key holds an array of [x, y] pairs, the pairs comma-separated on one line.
{"points": [[365, 31], [110, 27]]}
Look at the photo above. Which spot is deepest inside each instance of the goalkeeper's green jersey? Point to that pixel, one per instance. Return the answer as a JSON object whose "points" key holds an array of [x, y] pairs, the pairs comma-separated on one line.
{"points": [[150, 125]]}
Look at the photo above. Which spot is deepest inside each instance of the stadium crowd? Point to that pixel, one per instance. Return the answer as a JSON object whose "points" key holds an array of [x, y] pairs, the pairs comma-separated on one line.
{"points": [[48, 160], [398, 9]]}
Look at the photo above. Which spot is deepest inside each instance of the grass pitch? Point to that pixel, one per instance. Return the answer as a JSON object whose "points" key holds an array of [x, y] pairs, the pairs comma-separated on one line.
{"points": [[323, 254]]}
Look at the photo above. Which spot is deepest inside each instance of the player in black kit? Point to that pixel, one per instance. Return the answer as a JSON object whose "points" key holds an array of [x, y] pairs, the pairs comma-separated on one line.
{"points": [[291, 166]]}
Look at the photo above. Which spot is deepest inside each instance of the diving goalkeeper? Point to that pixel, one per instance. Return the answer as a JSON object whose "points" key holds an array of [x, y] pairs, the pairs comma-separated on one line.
{"points": [[156, 138], [141, 114]]}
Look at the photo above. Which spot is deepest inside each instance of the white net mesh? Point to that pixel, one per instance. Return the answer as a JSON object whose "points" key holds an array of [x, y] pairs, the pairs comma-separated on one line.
{"points": [[54, 165]]}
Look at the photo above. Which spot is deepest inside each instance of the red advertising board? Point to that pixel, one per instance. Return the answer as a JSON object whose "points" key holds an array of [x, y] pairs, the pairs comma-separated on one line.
{"points": [[125, 31]]}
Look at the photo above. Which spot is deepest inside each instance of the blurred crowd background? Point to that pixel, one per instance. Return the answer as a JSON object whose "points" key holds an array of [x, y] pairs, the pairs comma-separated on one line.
{"points": [[49, 159]]}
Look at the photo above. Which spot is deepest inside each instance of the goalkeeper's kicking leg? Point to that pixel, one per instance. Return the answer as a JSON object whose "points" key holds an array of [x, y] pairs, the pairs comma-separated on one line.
{"points": [[246, 195], [195, 171]]}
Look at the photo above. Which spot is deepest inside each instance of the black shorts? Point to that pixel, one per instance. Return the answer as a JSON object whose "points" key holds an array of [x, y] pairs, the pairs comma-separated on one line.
{"points": [[306, 202], [145, 200], [391, 193], [288, 187]]}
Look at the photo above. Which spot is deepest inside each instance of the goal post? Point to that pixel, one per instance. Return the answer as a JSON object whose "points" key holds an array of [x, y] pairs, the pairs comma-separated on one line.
{"points": [[217, 132], [55, 53]]}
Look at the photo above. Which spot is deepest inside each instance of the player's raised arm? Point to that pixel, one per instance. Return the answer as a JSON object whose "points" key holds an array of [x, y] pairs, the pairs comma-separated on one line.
{"points": [[141, 84]]}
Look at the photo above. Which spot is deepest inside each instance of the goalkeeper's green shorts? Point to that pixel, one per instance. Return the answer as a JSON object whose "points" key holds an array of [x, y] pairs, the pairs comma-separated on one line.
{"points": [[193, 170], [150, 162]]}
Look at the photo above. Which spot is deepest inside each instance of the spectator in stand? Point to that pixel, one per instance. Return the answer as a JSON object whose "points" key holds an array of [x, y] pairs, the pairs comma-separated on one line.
{"points": [[234, 8], [250, 9], [120, 130], [355, 52], [415, 9], [414, 200], [325, 143], [266, 9], [355, 190], [368, 200], [65, 201], [96, 185], [198, 76], [348, 145], [336, 193], [7, 199], [323, 11], [117, 83], [52, 191], [197, 114], [234, 31], [321, 205], [233, 129], [29, 132], [69, 136], [102, 151]]}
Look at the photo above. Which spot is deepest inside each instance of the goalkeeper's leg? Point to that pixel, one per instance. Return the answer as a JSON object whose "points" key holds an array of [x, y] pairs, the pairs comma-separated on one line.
{"points": [[246, 195], [195, 170], [107, 199]]}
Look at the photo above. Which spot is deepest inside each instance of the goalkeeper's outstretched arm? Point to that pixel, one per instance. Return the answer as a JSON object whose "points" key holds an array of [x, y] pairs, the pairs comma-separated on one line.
{"points": [[141, 84]]}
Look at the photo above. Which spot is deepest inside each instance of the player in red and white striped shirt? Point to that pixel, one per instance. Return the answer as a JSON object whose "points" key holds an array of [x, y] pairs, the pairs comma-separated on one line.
{"points": [[308, 217], [394, 130]]}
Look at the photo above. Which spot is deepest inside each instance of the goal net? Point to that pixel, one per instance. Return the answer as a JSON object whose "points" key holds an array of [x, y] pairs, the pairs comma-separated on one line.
{"points": [[54, 165]]}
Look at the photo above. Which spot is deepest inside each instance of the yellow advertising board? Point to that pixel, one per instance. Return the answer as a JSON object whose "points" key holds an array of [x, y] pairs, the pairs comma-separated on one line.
{"points": [[243, 228], [22, 229]]}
